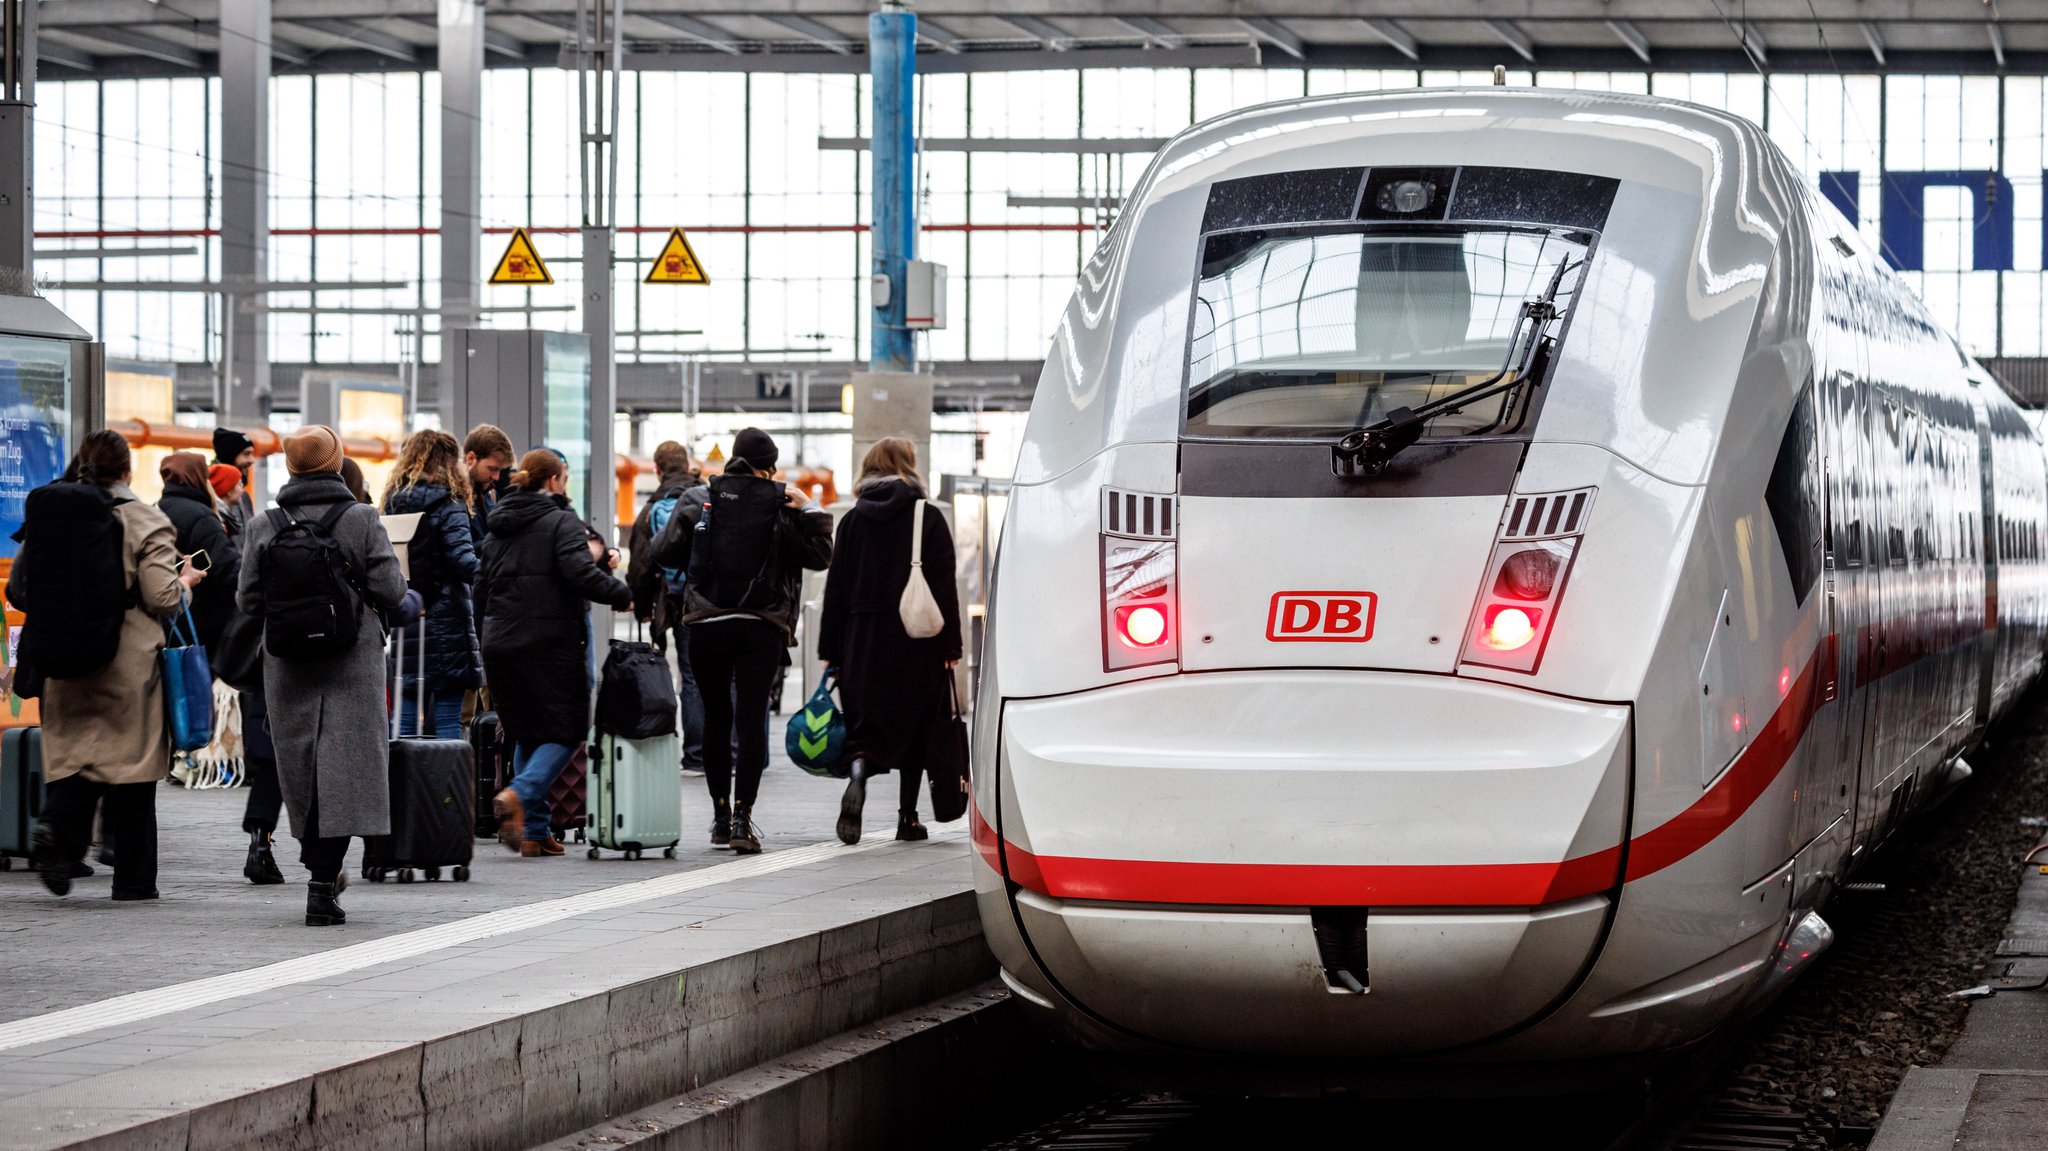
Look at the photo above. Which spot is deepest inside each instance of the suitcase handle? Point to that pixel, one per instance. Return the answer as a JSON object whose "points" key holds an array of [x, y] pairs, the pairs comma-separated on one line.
{"points": [[398, 681]]}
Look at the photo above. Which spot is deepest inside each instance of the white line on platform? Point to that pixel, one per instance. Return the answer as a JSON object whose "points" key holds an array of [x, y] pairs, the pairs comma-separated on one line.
{"points": [[326, 964]]}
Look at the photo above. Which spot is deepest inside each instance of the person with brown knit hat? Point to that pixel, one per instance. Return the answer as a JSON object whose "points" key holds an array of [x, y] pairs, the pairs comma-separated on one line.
{"points": [[327, 708]]}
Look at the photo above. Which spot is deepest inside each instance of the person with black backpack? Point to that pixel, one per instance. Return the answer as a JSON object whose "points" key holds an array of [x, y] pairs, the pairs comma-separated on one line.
{"points": [[429, 479], [658, 591], [318, 569], [97, 572], [539, 573], [745, 547]]}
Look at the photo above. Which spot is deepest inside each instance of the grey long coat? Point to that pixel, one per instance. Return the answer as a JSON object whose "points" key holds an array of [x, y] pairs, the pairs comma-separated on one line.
{"points": [[328, 716]]}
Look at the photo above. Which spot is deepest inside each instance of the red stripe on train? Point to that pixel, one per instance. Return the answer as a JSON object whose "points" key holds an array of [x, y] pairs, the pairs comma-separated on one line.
{"points": [[1423, 885]]}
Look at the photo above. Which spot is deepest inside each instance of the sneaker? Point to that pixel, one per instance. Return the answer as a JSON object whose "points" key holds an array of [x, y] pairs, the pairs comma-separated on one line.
{"points": [[856, 797], [746, 838], [511, 818], [49, 859]]}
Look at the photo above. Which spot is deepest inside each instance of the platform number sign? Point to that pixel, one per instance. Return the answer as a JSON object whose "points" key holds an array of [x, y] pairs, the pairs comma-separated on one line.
{"points": [[521, 264], [677, 263]]}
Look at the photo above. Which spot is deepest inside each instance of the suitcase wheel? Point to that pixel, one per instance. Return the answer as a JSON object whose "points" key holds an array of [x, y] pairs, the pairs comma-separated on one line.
{"points": [[668, 853], [461, 873], [631, 853], [373, 874], [6, 864], [433, 875], [405, 875], [591, 854]]}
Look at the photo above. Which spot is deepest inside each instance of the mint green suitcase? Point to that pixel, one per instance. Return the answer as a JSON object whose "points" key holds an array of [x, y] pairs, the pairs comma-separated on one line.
{"points": [[636, 795]]}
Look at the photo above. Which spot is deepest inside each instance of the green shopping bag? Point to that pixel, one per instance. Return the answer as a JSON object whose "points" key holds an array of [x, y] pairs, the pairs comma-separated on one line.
{"points": [[817, 734]]}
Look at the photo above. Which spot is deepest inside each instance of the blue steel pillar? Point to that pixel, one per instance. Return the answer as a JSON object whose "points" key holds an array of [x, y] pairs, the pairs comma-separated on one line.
{"points": [[892, 67]]}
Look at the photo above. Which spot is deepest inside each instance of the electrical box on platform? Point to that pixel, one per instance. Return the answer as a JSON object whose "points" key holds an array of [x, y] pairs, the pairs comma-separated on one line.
{"points": [[924, 295]]}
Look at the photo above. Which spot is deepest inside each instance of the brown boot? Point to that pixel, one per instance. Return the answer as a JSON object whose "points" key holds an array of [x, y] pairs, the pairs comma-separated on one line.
{"points": [[511, 818], [540, 848]]}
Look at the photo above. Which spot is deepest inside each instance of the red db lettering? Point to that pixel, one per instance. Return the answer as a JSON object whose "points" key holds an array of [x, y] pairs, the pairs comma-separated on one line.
{"points": [[1320, 616]]}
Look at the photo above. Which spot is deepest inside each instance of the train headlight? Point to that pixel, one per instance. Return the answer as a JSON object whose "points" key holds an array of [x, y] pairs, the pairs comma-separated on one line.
{"points": [[1525, 578], [1140, 586]]}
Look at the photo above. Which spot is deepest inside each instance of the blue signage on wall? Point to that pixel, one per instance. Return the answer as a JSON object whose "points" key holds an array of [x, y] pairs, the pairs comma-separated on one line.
{"points": [[1902, 222], [34, 417]]}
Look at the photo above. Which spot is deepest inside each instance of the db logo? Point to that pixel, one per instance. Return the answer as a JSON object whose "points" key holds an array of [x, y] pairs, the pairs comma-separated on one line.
{"points": [[1320, 616]]}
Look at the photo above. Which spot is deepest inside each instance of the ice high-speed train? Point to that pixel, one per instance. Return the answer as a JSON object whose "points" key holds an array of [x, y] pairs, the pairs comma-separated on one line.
{"points": [[1485, 566]]}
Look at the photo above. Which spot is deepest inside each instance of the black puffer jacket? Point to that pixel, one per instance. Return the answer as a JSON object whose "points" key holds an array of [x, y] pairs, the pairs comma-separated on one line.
{"points": [[444, 570], [199, 528], [805, 542], [537, 576]]}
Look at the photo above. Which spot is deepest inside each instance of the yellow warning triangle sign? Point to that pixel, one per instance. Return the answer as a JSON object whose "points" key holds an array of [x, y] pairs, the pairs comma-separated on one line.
{"points": [[677, 264], [521, 264]]}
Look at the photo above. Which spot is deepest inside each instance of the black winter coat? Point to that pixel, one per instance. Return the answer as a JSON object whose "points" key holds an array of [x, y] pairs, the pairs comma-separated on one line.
{"points": [[199, 528], [537, 576], [897, 691], [444, 571], [806, 543]]}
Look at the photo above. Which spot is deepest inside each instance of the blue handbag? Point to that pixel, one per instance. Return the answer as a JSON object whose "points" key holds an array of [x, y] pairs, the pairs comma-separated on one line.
{"points": [[188, 686], [817, 734]]}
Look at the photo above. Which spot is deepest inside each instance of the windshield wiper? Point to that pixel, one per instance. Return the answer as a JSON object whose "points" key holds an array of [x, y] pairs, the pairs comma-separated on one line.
{"points": [[1367, 450]]}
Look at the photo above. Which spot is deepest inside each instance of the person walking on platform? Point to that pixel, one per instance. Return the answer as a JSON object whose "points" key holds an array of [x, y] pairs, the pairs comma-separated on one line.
{"points": [[745, 548], [237, 451], [318, 570], [658, 591], [896, 690], [538, 574], [91, 555], [429, 479]]}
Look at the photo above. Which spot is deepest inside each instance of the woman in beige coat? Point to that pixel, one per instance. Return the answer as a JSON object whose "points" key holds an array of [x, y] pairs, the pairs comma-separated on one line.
{"points": [[104, 735]]}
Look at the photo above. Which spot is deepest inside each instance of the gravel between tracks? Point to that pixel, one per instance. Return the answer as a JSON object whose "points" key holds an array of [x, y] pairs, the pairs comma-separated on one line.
{"points": [[1838, 1043]]}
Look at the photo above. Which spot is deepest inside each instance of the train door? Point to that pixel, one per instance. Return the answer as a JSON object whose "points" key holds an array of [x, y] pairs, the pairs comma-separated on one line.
{"points": [[1876, 472], [1840, 729]]}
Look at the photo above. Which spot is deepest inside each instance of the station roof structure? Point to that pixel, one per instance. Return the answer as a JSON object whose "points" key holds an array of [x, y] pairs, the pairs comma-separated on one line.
{"points": [[103, 38]]}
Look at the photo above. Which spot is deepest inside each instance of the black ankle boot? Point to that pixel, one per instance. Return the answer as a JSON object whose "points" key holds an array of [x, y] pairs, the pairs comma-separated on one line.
{"points": [[49, 859], [856, 797], [323, 906], [746, 838], [908, 829], [261, 867], [721, 822]]}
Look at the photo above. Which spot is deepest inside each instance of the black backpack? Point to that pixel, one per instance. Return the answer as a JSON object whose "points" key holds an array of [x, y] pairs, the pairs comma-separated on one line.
{"points": [[636, 695], [76, 582], [311, 606], [733, 560]]}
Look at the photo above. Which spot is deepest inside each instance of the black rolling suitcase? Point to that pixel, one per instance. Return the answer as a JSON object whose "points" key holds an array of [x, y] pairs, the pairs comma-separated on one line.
{"points": [[21, 790], [493, 768], [433, 795]]}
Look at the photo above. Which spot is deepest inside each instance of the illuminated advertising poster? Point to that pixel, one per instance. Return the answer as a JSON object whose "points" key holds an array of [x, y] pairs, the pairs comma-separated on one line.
{"points": [[35, 377]]}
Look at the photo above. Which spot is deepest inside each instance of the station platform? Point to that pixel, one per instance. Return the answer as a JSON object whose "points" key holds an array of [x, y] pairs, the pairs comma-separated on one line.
{"points": [[537, 999], [1990, 1092]]}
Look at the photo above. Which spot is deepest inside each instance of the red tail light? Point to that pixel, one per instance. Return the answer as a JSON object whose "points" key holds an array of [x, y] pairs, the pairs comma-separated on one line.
{"points": [[1525, 578], [1140, 612]]}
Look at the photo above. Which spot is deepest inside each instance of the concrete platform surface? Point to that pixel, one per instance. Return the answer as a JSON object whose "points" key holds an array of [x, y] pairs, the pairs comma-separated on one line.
{"points": [[1990, 1093], [533, 1001]]}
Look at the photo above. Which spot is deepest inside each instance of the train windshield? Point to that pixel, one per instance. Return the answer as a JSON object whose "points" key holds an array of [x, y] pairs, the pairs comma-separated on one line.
{"points": [[1301, 333]]}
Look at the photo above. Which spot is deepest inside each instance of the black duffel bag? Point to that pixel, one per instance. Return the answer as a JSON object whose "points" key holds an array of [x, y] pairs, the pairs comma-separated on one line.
{"points": [[636, 695]]}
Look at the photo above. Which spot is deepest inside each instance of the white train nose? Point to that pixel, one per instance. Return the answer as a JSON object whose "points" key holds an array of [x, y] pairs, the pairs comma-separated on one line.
{"points": [[1349, 863]]}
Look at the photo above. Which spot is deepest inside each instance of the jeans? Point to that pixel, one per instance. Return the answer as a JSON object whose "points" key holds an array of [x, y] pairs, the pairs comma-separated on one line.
{"points": [[735, 662], [129, 816], [686, 695], [444, 708], [535, 767]]}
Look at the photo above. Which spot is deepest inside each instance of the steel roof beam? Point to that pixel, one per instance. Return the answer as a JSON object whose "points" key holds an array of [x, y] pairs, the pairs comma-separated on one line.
{"points": [[1997, 41], [64, 56], [938, 36], [822, 35], [139, 44], [696, 31], [1513, 36], [1277, 34], [1752, 42], [1046, 34], [1397, 37], [382, 43], [1156, 32], [1875, 39], [1632, 36]]}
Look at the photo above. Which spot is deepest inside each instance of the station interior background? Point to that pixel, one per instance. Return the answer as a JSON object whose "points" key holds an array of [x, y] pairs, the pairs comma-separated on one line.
{"points": [[744, 162]]}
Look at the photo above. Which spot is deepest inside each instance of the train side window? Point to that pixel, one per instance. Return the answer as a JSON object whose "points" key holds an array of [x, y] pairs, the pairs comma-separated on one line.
{"points": [[1793, 497], [1852, 556], [1895, 547]]}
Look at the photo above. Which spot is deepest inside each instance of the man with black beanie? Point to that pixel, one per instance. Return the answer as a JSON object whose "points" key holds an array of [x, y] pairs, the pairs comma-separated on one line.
{"points": [[238, 451]]}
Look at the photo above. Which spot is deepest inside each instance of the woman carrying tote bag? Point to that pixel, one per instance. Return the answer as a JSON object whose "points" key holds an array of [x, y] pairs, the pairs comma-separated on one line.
{"points": [[877, 631]]}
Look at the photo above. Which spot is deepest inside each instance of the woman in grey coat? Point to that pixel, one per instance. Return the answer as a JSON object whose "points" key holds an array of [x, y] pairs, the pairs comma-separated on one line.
{"points": [[327, 714]]}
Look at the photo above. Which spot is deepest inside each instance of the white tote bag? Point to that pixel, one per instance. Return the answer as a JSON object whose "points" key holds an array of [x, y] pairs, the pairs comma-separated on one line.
{"points": [[918, 610]]}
